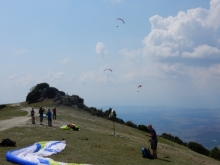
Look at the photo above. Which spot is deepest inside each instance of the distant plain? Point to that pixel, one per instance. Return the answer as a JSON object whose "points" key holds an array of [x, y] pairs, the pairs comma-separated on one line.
{"points": [[197, 125]]}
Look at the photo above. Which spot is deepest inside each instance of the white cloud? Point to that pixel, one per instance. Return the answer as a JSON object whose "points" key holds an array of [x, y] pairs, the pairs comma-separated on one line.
{"points": [[64, 61], [99, 76], [203, 51], [204, 77], [190, 34], [214, 13], [130, 54], [56, 76], [100, 49], [22, 79], [20, 51], [11, 77]]}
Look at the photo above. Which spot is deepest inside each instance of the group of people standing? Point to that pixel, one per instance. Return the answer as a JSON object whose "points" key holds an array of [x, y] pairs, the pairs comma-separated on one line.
{"points": [[48, 114], [152, 133]]}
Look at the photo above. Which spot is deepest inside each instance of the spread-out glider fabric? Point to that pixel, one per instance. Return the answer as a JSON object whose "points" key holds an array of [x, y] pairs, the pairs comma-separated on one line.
{"points": [[35, 154], [70, 127], [44, 115]]}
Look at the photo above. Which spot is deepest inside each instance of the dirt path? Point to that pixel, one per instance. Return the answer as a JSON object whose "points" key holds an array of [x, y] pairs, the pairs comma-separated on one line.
{"points": [[16, 121], [25, 120]]}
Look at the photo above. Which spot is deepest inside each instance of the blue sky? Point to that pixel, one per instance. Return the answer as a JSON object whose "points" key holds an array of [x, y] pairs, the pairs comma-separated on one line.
{"points": [[171, 48]]}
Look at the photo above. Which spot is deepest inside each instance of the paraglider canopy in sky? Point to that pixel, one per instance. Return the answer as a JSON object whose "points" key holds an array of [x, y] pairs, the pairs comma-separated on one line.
{"points": [[120, 20], [108, 69], [139, 87]]}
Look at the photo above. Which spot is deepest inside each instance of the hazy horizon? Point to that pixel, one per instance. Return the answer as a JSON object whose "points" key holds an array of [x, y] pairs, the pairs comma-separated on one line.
{"points": [[199, 125]]}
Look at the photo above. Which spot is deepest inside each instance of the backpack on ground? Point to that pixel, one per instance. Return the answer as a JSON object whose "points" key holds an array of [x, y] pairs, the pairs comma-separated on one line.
{"points": [[8, 142], [146, 153]]}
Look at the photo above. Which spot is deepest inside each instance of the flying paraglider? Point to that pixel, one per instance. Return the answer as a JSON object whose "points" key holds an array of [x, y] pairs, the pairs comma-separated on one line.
{"points": [[139, 87], [120, 20], [107, 70]]}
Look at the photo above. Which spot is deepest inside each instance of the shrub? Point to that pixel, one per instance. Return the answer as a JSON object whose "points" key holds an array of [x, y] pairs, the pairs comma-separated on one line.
{"points": [[41, 91], [33, 97], [215, 153], [198, 148], [51, 92], [131, 124], [2, 106], [143, 128], [173, 138], [41, 86]]}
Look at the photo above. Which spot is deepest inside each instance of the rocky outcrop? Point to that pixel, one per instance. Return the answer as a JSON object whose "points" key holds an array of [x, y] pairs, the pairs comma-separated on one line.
{"points": [[44, 91], [67, 100]]}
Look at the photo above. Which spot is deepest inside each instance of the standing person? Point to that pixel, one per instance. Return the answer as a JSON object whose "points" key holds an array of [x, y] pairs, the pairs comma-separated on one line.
{"points": [[32, 116], [49, 117], [153, 140], [41, 113], [54, 113]]}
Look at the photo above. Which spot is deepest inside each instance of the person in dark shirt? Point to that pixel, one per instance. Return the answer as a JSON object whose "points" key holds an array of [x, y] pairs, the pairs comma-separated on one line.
{"points": [[54, 113], [153, 140], [32, 116], [49, 117], [41, 112]]}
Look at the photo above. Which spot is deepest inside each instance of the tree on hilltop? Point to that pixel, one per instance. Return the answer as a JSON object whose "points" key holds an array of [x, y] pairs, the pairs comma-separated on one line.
{"points": [[42, 91]]}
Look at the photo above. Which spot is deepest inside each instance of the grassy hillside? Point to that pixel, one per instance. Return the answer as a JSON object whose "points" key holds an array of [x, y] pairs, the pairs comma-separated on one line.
{"points": [[95, 143]]}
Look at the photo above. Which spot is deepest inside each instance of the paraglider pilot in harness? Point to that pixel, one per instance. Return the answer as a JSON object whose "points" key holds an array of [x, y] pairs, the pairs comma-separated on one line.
{"points": [[153, 141]]}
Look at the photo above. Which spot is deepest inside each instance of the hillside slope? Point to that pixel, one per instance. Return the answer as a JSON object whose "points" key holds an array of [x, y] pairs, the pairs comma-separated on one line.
{"points": [[95, 143]]}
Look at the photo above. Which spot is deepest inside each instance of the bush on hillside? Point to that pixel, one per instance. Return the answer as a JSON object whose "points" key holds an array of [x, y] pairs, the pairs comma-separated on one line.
{"points": [[42, 91], [2, 106], [215, 153], [198, 148], [118, 120], [131, 124], [61, 93], [143, 128], [51, 92], [95, 112], [33, 97], [41, 86], [173, 138]]}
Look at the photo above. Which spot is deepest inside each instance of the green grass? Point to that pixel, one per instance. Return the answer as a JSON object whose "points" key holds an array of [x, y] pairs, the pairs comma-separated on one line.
{"points": [[11, 111], [95, 143]]}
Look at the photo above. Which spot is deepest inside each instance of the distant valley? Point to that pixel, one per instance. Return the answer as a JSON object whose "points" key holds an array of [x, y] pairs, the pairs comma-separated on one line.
{"points": [[197, 125]]}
